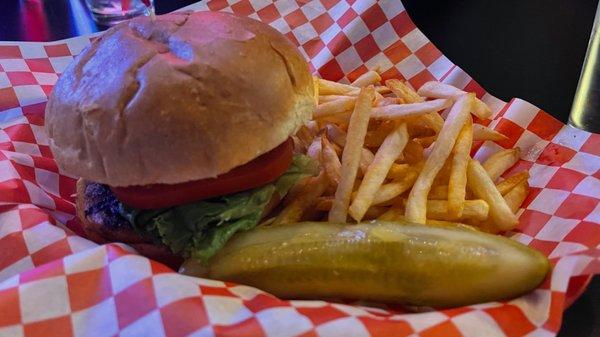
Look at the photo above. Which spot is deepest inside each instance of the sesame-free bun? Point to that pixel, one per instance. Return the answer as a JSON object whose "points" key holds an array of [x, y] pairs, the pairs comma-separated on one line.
{"points": [[185, 97]]}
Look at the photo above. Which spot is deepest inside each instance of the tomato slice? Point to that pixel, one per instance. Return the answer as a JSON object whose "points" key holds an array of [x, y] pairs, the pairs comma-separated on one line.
{"points": [[260, 171]]}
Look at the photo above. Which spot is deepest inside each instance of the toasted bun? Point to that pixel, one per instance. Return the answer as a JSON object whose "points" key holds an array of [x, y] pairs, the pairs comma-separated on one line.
{"points": [[96, 229], [186, 97]]}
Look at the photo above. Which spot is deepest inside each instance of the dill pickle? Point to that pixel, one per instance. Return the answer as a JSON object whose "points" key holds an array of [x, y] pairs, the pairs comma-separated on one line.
{"points": [[379, 261]]}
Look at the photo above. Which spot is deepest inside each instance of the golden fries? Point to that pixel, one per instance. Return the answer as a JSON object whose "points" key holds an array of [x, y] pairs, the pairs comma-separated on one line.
{"points": [[376, 172], [397, 171], [357, 129], [391, 190], [378, 132], [457, 183], [316, 89], [483, 187], [392, 214], [481, 132], [333, 88], [302, 200], [515, 197], [426, 142], [330, 98], [335, 107], [413, 152], [501, 161], [433, 121], [330, 161], [399, 111], [366, 158], [416, 207], [507, 184], [368, 78], [314, 149], [401, 90], [438, 192], [386, 152], [471, 210], [336, 134], [388, 101], [440, 90]]}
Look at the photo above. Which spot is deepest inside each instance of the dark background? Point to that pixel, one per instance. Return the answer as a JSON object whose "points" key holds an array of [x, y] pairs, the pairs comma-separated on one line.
{"points": [[531, 49]]}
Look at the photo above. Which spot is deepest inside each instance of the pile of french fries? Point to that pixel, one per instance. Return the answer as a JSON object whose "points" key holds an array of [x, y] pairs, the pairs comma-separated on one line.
{"points": [[387, 153]]}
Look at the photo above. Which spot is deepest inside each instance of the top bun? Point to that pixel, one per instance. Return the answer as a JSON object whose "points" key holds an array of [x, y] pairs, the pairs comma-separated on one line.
{"points": [[185, 97]]}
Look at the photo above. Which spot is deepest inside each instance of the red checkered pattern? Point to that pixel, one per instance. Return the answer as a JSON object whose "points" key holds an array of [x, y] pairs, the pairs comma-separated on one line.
{"points": [[55, 283]]}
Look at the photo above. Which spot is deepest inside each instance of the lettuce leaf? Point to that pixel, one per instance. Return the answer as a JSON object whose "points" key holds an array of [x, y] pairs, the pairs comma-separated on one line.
{"points": [[198, 230]]}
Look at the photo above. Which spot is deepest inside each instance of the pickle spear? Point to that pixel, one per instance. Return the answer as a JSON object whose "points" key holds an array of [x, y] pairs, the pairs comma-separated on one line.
{"points": [[378, 261]]}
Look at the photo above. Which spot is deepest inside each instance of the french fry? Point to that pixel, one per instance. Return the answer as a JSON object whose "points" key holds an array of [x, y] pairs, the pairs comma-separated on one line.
{"points": [[435, 89], [457, 184], [313, 127], [432, 123], [382, 89], [400, 111], [426, 141], [376, 173], [296, 190], [507, 184], [391, 190], [483, 187], [416, 207], [515, 197], [397, 171], [316, 89], [413, 152], [330, 161], [303, 200], [440, 90], [501, 161], [374, 138], [334, 107], [438, 192], [379, 89], [336, 134], [305, 136], [374, 212], [389, 101], [401, 90], [443, 175], [333, 88], [341, 120], [368, 78], [323, 203], [357, 129], [366, 158], [472, 210], [314, 149], [481, 132], [392, 214], [330, 98], [299, 146]]}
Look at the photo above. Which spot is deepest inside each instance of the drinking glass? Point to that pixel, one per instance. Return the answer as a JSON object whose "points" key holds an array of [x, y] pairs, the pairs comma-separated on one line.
{"points": [[110, 12]]}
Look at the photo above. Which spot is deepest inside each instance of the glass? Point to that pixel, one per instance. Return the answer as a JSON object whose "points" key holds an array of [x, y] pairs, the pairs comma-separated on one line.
{"points": [[110, 12]]}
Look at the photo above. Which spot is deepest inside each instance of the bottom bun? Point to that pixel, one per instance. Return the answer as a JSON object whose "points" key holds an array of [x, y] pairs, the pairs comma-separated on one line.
{"points": [[97, 208]]}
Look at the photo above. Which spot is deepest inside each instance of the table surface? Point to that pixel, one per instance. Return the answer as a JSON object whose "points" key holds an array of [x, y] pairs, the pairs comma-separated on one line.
{"points": [[528, 49]]}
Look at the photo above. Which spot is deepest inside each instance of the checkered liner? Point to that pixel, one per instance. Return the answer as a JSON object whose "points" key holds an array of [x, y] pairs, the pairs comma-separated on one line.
{"points": [[55, 283]]}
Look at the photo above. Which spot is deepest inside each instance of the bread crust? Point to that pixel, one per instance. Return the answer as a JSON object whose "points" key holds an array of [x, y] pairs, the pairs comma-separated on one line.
{"points": [[187, 97]]}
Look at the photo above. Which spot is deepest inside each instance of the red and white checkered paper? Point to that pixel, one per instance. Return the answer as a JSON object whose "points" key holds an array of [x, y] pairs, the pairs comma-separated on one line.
{"points": [[56, 283]]}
